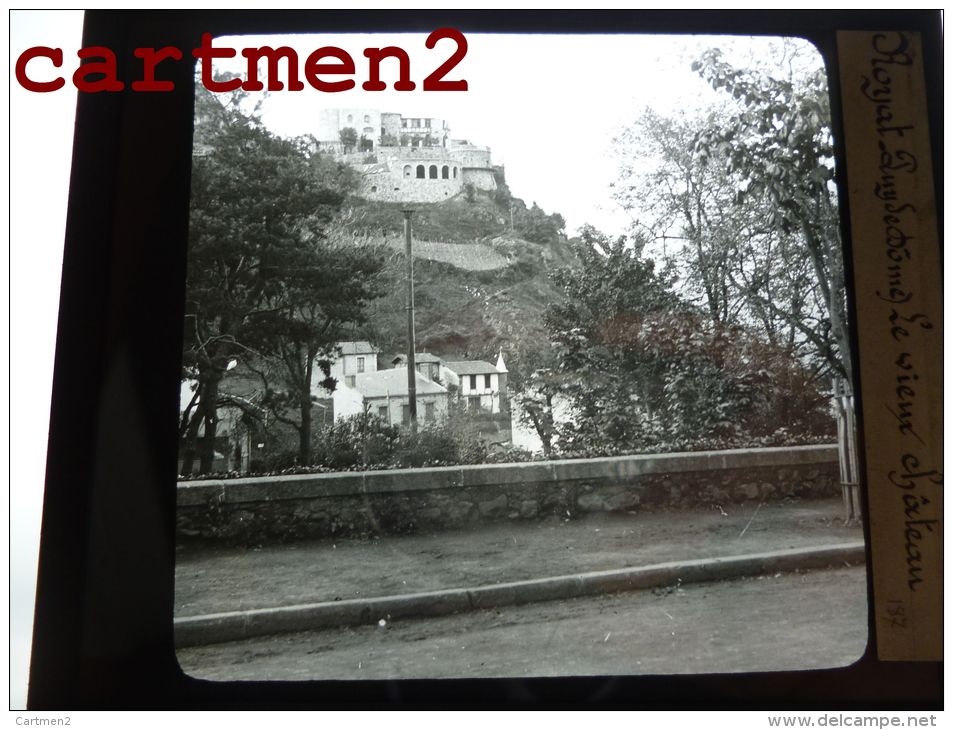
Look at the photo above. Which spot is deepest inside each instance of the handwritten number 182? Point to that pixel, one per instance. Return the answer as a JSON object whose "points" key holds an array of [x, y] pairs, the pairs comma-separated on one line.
{"points": [[897, 614]]}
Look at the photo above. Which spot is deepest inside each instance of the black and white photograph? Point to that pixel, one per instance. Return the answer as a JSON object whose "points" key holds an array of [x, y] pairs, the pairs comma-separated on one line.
{"points": [[545, 373], [453, 360]]}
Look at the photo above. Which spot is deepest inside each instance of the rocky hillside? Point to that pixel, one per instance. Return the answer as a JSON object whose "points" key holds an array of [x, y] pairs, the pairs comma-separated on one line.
{"points": [[480, 285]]}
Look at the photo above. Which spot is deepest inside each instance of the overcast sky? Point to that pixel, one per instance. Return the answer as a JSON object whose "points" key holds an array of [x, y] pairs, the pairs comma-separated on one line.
{"points": [[549, 106]]}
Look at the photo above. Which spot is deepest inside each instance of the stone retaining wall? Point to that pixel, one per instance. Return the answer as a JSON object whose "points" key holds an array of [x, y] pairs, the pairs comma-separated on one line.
{"points": [[269, 509]]}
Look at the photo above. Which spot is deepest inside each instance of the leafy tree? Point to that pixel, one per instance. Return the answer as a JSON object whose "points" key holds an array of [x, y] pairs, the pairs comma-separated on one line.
{"points": [[777, 138], [325, 286], [264, 286], [536, 400], [535, 225], [662, 174], [729, 256], [643, 370], [348, 136], [598, 370], [722, 386], [224, 282]]}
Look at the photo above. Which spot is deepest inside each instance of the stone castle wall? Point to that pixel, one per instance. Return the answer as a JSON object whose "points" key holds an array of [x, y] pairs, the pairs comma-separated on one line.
{"points": [[395, 177], [390, 188], [472, 156], [480, 178], [390, 172], [385, 154]]}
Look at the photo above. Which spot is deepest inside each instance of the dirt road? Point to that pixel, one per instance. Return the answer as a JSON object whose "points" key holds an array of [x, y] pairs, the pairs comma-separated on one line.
{"points": [[776, 622], [210, 580]]}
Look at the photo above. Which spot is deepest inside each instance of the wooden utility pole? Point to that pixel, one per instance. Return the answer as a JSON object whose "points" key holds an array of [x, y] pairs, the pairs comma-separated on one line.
{"points": [[411, 336]]}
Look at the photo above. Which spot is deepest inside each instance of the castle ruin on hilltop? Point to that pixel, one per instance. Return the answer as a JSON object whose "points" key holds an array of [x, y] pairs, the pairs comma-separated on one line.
{"points": [[406, 159]]}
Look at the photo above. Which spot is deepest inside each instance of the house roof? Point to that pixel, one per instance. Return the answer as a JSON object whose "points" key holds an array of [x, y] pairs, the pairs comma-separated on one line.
{"points": [[471, 367], [358, 347], [419, 357], [381, 383]]}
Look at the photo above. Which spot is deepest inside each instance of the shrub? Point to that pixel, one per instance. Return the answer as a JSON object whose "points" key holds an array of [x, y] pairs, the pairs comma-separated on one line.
{"points": [[430, 446], [364, 441], [280, 461], [358, 440]]}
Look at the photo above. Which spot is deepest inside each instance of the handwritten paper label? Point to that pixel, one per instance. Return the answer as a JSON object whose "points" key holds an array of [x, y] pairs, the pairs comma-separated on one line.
{"points": [[899, 331]]}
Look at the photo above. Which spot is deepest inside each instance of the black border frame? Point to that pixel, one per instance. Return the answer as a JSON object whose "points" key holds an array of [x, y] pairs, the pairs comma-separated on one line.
{"points": [[103, 628]]}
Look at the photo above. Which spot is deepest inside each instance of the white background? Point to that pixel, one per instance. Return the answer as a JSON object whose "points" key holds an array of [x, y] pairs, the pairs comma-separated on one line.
{"points": [[41, 131]]}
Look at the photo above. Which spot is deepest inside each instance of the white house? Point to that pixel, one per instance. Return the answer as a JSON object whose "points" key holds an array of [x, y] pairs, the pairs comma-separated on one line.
{"points": [[426, 364], [353, 358], [385, 393], [362, 386], [481, 384], [346, 400]]}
